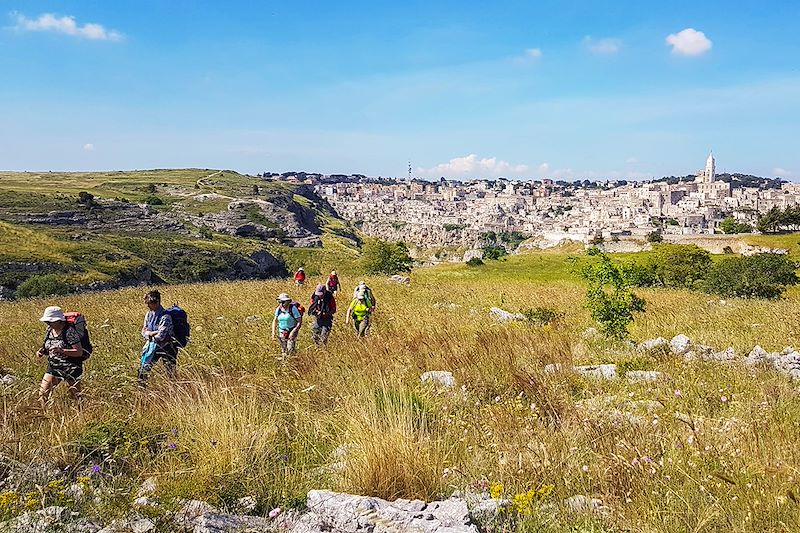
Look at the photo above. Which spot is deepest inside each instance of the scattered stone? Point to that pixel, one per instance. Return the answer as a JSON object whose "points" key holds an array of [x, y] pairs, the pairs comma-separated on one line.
{"points": [[447, 306], [8, 379], [680, 344], [76, 492], [584, 504], [504, 316], [441, 377], [552, 368], [757, 356], [589, 333], [402, 280], [252, 319], [148, 488], [144, 501], [725, 356], [597, 371], [247, 504], [653, 343], [331, 511], [645, 376]]}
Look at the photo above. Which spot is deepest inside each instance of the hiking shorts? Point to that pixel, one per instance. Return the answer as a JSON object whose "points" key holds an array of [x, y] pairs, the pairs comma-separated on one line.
{"points": [[71, 373]]}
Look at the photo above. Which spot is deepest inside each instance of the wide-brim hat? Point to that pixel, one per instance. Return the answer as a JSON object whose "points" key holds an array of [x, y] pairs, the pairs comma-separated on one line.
{"points": [[320, 290], [53, 314], [283, 297]]}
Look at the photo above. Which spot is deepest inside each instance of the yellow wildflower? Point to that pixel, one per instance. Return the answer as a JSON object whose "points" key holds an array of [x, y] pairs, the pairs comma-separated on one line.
{"points": [[55, 484], [495, 490], [8, 498]]}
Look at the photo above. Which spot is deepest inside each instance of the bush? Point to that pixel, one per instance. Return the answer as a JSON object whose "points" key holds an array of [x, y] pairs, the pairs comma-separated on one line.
{"points": [[654, 237], [453, 227], [730, 226], [153, 200], [596, 240], [41, 285], [542, 315], [755, 276], [609, 297], [206, 232], [86, 198], [382, 257], [678, 265], [475, 262], [491, 252]]}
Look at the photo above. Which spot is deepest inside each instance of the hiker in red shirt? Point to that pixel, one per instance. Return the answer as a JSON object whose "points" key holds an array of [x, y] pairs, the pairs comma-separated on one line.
{"points": [[333, 284], [299, 276]]}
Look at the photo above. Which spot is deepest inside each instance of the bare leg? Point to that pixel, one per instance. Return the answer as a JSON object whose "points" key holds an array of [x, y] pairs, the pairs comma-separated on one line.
{"points": [[75, 389], [49, 382]]}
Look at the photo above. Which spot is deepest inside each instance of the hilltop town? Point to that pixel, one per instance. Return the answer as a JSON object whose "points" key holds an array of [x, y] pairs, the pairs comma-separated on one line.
{"points": [[450, 212]]}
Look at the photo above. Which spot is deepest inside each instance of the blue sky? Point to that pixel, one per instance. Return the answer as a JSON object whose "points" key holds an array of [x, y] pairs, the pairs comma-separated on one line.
{"points": [[522, 89]]}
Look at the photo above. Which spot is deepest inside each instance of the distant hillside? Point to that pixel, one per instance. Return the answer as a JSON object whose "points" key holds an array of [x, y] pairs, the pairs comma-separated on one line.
{"points": [[67, 231]]}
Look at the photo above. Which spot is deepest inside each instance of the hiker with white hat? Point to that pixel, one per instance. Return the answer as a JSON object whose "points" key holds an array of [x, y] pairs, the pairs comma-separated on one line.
{"points": [[65, 355], [288, 320]]}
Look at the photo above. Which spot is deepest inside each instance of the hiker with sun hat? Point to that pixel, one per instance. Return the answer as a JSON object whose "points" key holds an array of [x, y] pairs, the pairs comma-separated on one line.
{"points": [[65, 354]]}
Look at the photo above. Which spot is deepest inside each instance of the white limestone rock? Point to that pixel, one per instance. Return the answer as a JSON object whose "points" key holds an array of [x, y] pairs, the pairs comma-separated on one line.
{"points": [[645, 376], [504, 316], [652, 344], [439, 377], [597, 371], [680, 344], [581, 504]]}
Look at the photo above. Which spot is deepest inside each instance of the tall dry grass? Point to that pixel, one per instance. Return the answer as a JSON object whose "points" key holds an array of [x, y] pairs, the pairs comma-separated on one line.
{"points": [[710, 449]]}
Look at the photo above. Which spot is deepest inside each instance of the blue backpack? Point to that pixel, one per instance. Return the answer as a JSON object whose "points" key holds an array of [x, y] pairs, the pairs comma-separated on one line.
{"points": [[180, 325]]}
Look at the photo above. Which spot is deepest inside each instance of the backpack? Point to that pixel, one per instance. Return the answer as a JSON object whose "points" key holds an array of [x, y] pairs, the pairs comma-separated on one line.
{"points": [[321, 306], [76, 321], [181, 330], [297, 305], [367, 292]]}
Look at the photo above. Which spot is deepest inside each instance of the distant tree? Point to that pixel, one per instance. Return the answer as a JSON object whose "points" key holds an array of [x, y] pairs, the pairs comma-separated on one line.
{"points": [[678, 265], [755, 276], [493, 252], [730, 226], [383, 257], [654, 237]]}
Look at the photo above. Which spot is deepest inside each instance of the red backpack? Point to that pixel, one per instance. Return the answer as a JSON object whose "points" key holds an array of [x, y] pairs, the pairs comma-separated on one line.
{"points": [[78, 322]]}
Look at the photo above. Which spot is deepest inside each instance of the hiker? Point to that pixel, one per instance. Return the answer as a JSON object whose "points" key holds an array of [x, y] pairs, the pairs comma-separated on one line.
{"points": [[299, 277], [360, 311], [65, 355], [333, 284], [369, 297], [322, 308], [288, 320], [158, 332]]}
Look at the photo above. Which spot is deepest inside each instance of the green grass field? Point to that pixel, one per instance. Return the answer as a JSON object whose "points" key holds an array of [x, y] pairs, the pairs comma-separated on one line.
{"points": [[711, 449]]}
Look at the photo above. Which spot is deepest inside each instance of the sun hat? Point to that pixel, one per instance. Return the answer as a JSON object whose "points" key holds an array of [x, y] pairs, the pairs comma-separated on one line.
{"points": [[320, 290], [333, 272], [53, 314], [283, 297], [300, 269]]}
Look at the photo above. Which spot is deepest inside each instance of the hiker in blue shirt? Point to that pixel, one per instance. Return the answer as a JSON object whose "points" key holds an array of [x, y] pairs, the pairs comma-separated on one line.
{"points": [[288, 320], [158, 333]]}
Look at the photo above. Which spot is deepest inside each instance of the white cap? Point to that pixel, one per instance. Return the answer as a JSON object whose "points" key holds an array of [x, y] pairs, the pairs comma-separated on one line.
{"points": [[53, 314], [283, 297]]}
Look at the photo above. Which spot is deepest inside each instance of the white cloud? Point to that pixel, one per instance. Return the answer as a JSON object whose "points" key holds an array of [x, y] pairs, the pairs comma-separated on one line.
{"points": [[689, 42], [544, 169], [470, 166], [602, 46], [782, 172], [631, 161], [89, 147], [533, 53], [67, 26]]}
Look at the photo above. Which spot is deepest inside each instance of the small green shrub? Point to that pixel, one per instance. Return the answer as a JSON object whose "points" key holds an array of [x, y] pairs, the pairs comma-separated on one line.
{"points": [[542, 315], [453, 227], [492, 252], [475, 262], [153, 200], [654, 237], [609, 297], [42, 285]]}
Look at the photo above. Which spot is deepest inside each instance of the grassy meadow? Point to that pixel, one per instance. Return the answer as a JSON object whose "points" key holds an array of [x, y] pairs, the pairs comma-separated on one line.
{"points": [[714, 448]]}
